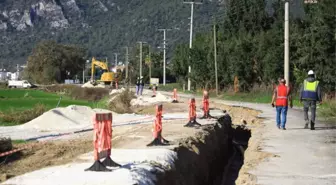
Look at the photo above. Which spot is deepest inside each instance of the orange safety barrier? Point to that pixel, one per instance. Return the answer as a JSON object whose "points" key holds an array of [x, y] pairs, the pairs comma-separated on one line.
{"points": [[157, 129], [206, 105], [192, 114], [102, 137], [175, 96]]}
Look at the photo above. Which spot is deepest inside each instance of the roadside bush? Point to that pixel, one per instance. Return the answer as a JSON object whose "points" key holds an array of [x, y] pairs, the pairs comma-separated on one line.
{"points": [[328, 110], [3, 85], [79, 93], [121, 103], [19, 117]]}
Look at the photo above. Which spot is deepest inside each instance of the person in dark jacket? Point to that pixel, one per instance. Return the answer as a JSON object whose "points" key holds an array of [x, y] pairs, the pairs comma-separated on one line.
{"points": [[142, 84], [310, 93], [137, 83]]}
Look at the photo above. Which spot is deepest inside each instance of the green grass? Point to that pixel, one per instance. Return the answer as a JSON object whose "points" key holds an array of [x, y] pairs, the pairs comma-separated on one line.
{"points": [[256, 97], [20, 100], [19, 141], [18, 106], [328, 111]]}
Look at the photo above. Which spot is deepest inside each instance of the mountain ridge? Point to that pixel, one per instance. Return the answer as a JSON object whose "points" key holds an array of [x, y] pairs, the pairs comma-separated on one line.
{"points": [[101, 26]]}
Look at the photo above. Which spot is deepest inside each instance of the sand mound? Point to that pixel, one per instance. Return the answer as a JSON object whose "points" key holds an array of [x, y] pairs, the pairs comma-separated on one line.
{"points": [[89, 85], [117, 91], [144, 100], [71, 117]]}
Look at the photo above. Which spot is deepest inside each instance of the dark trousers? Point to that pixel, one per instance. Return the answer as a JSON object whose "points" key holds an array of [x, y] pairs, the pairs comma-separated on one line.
{"points": [[312, 105]]}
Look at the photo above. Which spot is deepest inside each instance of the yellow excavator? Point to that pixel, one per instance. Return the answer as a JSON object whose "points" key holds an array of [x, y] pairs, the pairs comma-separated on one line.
{"points": [[107, 77]]}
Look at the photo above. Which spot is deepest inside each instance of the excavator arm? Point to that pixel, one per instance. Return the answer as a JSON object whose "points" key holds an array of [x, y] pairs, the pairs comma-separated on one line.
{"points": [[107, 76], [94, 63]]}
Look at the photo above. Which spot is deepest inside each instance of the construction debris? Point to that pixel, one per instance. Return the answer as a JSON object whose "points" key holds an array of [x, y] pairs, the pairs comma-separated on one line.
{"points": [[5, 144]]}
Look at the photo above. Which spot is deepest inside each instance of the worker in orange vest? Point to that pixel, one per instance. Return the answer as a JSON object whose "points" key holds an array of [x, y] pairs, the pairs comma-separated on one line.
{"points": [[281, 96]]}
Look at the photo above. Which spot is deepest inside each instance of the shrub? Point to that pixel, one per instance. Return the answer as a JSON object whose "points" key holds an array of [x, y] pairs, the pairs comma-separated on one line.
{"points": [[3, 85], [79, 93], [328, 110]]}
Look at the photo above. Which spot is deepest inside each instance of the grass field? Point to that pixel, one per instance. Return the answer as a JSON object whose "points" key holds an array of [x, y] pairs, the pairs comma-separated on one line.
{"points": [[19, 106], [19, 100]]}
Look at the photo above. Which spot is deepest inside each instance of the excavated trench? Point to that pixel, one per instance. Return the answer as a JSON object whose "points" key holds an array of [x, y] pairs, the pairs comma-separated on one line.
{"points": [[213, 157]]}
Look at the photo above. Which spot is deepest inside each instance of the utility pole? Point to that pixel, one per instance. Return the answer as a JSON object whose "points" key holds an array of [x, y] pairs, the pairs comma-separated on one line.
{"points": [[215, 56], [191, 35], [141, 42], [127, 64], [164, 54], [116, 60], [140, 59], [84, 67], [150, 63], [286, 66]]}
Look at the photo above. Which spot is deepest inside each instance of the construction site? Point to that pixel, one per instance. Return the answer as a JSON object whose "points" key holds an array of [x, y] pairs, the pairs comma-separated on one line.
{"points": [[239, 93], [224, 147], [59, 143]]}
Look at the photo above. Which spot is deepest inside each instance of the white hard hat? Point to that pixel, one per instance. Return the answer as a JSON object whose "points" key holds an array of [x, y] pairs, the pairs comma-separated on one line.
{"points": [[310, 72], [141, 77]]}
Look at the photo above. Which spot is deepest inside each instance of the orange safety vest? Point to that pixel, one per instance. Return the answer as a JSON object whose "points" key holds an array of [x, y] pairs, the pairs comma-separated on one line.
{"points": [[282, 96]]}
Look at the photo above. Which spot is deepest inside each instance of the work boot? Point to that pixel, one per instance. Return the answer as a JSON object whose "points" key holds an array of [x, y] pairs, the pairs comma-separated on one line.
{"points": [[306, 125], [312, 125]]}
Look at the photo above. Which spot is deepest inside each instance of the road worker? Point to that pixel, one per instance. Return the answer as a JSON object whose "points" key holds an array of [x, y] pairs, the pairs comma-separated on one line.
{"points": [[281, 96], [137, 84], [141, 85], [310, 93]]}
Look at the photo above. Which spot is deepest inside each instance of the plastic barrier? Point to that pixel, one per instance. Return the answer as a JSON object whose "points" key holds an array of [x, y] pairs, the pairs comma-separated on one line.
{"points": [[16, 150], [205, 101], [102, 141], [192, 114], [175, 96], [157, 129]]}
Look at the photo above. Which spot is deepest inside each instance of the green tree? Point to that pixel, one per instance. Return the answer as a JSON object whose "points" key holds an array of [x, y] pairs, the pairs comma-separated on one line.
{"points": [[51, 62]]}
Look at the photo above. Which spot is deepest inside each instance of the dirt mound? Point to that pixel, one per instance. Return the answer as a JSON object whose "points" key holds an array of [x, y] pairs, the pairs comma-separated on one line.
{"points": [[70, 117], [146, 100], [120, 101], [90, 85], [117, 91]]}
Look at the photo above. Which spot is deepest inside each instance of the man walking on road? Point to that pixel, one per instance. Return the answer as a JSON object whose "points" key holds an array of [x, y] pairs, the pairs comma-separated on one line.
{"points": [[137, 84], [280, 96], [310, 93]]}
